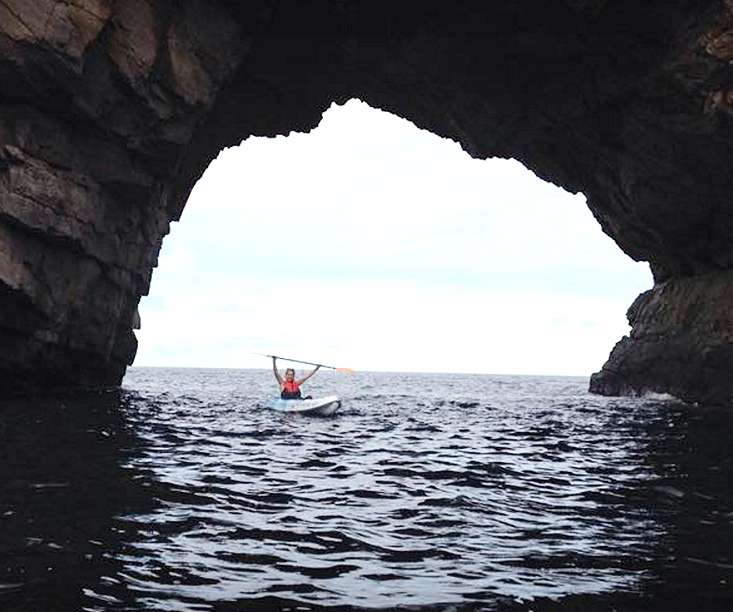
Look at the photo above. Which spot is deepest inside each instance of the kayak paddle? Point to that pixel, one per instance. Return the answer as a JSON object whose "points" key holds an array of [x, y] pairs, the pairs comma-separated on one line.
{"points": [[348, 370]]}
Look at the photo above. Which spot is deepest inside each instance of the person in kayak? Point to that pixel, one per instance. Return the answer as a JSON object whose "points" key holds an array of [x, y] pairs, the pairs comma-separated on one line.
{"points": [[289, 386]]}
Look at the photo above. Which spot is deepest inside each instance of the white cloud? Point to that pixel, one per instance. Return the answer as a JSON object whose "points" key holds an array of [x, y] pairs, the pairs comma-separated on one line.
{"points": [[376, 244]]}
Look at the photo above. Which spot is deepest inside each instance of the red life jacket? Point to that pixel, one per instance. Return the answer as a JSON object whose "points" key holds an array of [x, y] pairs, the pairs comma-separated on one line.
{"points": [[290, 390]]}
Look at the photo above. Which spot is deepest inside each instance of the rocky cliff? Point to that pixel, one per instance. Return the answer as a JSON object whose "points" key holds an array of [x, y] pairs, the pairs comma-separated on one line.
{"points": [[110, 110]]}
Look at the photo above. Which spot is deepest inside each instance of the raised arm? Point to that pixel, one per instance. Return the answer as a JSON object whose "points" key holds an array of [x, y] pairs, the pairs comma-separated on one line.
{"points": [[300, 381], [277, 374]]}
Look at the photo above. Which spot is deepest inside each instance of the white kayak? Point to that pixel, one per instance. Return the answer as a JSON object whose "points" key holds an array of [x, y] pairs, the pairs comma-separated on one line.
{"points": [[323, 406]]}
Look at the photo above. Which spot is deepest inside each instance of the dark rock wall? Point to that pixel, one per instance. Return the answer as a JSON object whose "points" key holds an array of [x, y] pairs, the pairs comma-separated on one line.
{"points": [[681, 342], [111, 110], [99, 100]]}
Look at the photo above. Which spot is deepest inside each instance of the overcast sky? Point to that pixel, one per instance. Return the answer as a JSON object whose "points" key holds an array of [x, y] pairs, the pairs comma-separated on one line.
{"points": [[373, 245]]}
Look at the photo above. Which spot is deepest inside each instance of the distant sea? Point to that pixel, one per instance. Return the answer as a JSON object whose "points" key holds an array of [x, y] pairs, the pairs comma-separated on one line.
{"points": [[182, 492]]}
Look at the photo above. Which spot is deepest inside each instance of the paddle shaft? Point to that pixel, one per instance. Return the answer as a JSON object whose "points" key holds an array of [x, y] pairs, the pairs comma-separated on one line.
{"points": [[299, 361]]}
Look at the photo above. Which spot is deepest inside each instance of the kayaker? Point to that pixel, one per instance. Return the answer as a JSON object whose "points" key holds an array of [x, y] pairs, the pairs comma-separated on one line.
{"points": [[289, 386]]}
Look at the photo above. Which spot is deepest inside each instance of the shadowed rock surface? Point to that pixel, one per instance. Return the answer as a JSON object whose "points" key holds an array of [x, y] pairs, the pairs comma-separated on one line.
{"points": [[110, 112]]}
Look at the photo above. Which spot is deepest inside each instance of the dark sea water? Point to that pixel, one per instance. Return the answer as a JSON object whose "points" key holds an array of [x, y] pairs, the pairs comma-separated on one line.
{"points": [[425, 492]]}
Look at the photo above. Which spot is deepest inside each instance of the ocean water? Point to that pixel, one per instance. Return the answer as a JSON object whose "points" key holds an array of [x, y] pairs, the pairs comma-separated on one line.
{"points": [[424, 492]]}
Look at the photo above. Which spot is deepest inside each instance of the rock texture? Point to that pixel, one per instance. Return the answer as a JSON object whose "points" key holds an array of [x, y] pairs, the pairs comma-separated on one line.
{"points": [[681, 343], [110, 110]]}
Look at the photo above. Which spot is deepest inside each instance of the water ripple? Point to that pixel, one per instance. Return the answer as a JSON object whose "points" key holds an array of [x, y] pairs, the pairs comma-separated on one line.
{"points": [[423, 491]]}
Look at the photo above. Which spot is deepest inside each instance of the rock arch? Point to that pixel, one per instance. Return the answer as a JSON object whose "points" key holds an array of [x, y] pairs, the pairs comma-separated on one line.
{"points": [[111, 110]]}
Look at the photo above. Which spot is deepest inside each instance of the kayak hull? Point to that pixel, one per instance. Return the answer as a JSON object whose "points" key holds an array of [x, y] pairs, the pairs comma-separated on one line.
{"points": [[322, 406]]}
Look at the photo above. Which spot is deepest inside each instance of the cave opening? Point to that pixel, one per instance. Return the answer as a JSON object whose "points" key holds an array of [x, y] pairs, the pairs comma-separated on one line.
{"points": [[370, 242]]}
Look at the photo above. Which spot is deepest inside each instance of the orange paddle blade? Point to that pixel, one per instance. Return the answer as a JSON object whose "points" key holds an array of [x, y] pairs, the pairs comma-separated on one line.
{"points": [[347, 370]]}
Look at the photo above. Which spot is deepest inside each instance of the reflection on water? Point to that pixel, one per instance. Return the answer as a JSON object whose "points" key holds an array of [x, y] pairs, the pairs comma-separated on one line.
{"points": [[690, 449], [62, 491], [450, 493]]}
